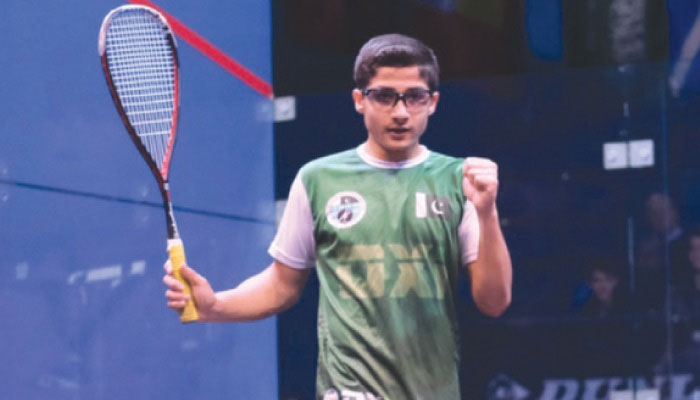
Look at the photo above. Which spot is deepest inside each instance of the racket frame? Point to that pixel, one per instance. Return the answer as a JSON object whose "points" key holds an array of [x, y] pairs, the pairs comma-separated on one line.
{"points": [[161, 173]]}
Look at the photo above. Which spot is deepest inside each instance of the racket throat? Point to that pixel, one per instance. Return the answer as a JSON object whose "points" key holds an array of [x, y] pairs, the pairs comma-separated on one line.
{"points": [[172, 226], [169, 213]]}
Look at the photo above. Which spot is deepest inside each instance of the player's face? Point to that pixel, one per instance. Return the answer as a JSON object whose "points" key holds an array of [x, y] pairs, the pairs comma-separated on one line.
{"points": [[395, 125]]}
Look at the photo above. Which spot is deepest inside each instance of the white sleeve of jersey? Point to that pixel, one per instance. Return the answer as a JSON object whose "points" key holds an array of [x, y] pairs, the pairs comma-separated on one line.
{"points": [[294, 244], [469, 234]]}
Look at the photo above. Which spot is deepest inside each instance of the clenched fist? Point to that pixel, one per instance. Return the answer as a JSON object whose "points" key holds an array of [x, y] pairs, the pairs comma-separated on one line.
{"points": [[480, 184]]}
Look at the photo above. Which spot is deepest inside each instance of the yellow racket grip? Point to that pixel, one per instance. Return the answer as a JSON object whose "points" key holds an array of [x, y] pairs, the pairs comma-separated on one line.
{"points": [[177, 257]]}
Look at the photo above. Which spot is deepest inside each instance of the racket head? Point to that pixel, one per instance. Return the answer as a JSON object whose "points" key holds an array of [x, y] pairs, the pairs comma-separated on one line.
{"points": [[139, 58]]}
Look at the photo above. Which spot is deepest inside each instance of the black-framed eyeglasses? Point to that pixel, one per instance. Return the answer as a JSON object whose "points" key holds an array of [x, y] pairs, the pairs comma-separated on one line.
{"points": [[413, 99]]}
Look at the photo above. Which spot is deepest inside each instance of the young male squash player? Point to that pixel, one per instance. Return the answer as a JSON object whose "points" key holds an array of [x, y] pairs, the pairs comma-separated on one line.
{"points": [[386, 225]]}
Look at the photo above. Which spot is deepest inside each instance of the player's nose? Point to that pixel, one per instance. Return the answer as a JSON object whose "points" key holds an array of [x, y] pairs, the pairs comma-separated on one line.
{"points": [[400, 111]]}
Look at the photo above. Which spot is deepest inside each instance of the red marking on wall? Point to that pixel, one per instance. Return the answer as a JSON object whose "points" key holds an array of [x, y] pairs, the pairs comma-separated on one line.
{"points": [[211, 51]]}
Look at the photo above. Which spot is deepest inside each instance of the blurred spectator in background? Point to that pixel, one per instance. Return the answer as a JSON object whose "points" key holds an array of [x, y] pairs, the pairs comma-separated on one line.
{"points": [[604, 346], [663, 229], [685, 305], [661, 245], [686, 299], [607, 296], [615, 32]]}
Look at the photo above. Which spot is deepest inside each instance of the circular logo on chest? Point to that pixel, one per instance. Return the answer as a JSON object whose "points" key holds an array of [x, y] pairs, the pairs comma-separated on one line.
{"points": [[345, 209]]}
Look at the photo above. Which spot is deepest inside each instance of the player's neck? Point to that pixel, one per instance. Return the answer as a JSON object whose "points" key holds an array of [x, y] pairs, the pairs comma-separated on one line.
{"points": [[421, 154]]}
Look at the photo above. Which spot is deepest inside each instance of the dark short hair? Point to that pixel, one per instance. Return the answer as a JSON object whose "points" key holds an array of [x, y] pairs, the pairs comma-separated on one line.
{"points": [[605, 263], [395, 50]]}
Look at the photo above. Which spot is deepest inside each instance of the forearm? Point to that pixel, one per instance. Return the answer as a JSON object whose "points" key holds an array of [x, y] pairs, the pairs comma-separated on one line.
{"points": [[260, 296], [491, 274]]}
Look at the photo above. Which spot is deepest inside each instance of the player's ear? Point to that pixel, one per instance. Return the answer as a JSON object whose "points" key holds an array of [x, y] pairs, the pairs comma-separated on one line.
{"points": [[433, 103], [358, 99]]}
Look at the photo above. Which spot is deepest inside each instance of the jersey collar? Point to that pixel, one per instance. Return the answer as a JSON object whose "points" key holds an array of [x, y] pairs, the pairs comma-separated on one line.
{"points": [[376, 162]]}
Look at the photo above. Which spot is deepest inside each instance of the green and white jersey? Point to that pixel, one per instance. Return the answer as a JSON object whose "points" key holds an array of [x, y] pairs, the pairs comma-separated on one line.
{"points": [[387, 240]]}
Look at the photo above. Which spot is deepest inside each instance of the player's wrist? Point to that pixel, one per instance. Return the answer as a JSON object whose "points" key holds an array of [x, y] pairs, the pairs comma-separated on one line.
{"points": [[486, 215], [215, 307]]}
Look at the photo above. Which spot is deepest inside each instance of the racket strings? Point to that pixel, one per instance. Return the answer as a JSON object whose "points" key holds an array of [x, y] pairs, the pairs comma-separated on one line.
{"points": [[141, 64]]}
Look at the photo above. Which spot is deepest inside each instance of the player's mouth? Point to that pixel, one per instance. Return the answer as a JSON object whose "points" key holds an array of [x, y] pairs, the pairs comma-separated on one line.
{"points": [[398, 131]]}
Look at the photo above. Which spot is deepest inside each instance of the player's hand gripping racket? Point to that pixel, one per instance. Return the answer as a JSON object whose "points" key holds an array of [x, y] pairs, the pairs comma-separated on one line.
{"points": [[139, 58]]}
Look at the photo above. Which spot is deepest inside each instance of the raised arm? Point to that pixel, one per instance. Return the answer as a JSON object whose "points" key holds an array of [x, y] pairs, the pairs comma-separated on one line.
{"points": [[491, 273], [271, 291]]}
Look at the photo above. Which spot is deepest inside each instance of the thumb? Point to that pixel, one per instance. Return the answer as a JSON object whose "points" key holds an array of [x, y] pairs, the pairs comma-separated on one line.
{"points": [[467, 187]]}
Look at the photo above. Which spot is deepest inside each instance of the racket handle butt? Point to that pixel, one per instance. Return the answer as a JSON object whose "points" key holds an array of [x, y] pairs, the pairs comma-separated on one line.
{"points": [[176, 251]]}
